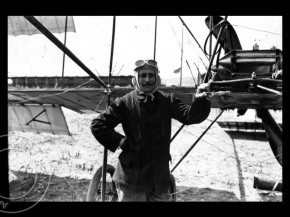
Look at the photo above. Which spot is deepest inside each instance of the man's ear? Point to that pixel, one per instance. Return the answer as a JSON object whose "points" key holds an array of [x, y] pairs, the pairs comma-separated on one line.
{"points": [[134, 82]]}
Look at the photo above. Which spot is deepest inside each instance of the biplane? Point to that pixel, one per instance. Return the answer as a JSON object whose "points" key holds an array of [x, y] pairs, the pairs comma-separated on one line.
{"points": [[241, 79]]}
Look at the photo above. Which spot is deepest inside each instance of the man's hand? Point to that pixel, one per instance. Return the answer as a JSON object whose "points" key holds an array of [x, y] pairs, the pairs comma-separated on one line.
{"points": [[277, 75], [202, 89]]}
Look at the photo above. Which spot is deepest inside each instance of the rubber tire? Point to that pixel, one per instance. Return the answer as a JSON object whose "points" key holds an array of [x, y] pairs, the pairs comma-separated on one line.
{"points": [[95, 185], [172, 189]]}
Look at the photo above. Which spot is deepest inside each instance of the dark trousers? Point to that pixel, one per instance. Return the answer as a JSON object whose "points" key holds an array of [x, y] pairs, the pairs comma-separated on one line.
{"points": [[128, 195]]}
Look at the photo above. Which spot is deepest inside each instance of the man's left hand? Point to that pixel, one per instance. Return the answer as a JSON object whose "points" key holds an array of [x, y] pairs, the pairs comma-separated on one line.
{"points": [[202, 89]]}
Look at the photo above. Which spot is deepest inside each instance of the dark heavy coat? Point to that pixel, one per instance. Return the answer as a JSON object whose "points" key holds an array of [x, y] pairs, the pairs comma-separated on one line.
{"points": [[144, 161]]}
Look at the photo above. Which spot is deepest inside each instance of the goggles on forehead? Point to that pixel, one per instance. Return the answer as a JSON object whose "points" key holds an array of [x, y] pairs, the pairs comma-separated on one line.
{"points": [[141, 63]]}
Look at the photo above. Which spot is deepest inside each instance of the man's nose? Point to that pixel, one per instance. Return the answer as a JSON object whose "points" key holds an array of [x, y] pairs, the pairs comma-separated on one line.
{"points": [[147, 78]]}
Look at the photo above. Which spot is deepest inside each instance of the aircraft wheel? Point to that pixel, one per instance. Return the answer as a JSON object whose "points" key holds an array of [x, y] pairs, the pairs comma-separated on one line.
{"points": [[94, 191]]}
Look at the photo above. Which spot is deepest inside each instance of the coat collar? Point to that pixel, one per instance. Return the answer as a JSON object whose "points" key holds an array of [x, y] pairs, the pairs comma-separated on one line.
{"points": [[156, 94]]}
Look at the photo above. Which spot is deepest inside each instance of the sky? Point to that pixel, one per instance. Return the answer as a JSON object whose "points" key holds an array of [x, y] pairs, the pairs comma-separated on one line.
{"points": [[134, 39]]}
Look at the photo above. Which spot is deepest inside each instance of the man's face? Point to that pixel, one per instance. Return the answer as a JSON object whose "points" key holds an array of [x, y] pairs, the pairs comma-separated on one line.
{"points": [[147, 79]]}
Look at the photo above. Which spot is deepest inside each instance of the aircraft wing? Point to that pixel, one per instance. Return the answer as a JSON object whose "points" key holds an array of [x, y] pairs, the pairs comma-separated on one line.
{"points": [[79, 100], [95, 99], [18, 25]]}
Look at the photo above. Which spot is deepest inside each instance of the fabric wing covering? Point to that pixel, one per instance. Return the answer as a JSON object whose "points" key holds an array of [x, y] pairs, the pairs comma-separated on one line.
{"points": [[19, 25], [37, 118]]}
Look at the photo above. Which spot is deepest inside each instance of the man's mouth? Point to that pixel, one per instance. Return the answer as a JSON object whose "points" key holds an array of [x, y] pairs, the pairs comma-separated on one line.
{"points": [[147, 85]]}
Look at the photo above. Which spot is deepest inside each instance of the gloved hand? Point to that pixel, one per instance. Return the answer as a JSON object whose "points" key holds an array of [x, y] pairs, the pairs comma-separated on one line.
{"points": [[277, 74], [202, 89]]}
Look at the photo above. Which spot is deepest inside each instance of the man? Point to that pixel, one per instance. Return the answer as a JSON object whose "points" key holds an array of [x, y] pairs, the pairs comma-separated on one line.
{"points": [[142, 172]]}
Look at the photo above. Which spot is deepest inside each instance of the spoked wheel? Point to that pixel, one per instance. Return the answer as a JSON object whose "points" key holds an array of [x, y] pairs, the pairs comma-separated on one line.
{"points": [[172, 188], [94, 191]]}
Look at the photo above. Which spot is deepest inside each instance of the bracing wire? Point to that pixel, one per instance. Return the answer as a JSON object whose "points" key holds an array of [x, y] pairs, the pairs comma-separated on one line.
{"points": [[259, 30], [249, 164]]}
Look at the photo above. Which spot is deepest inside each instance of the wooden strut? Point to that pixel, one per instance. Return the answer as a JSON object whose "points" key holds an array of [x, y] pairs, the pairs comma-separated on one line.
{"points": [[155, 37], [177, 132], [105, 155], [196, 141]]}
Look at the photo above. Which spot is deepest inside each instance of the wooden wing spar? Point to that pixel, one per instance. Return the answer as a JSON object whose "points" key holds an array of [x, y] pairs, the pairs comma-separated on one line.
{"points": [[93, 99]]}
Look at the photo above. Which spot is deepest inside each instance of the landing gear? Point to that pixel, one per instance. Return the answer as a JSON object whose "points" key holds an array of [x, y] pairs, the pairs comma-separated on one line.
{"points": [[94, 191]]}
